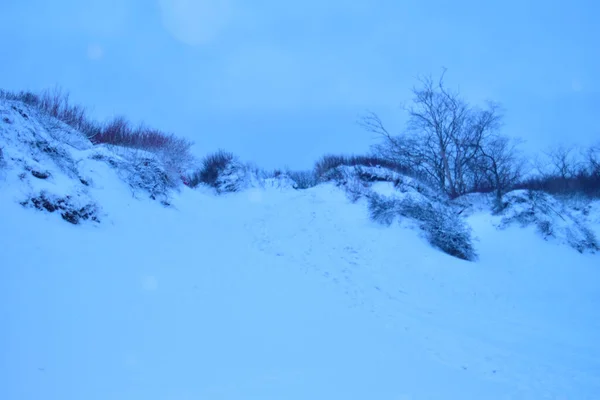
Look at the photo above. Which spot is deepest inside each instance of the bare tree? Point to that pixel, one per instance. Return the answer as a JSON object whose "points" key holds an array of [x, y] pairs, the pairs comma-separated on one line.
{"points": [[593, 160], [563, 162], [443, 136], [501, 163]]}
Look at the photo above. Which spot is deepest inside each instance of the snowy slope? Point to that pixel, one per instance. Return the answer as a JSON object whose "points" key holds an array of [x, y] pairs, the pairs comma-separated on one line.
{"points": [[272, 293]]}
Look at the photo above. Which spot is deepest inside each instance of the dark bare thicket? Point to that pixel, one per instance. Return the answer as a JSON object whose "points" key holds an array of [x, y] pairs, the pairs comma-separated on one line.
{"points": [[566, 171], [587, 185], [562, 162], [592, 156]]}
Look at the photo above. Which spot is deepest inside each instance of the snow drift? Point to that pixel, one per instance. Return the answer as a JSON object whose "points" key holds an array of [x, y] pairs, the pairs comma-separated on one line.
{"points": [[269, 292]]}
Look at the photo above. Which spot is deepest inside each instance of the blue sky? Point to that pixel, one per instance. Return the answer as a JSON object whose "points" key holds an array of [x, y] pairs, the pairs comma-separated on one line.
{"points": [[281, 83]]}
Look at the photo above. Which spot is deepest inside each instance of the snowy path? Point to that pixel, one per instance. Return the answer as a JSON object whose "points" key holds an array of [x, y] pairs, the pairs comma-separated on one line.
{"points": [[287, 295]]}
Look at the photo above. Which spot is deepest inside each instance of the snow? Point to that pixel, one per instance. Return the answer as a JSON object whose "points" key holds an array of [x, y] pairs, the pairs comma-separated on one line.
{"points": [[275, 293]]}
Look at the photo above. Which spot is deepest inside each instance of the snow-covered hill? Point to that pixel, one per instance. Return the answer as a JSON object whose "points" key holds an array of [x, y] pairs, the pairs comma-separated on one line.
{"points": [[168, 293]]}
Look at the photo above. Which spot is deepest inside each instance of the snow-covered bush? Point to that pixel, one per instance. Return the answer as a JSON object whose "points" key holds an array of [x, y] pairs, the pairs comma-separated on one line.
{"points": [[442, 226], [236, 177], [383, 210], [225, 173], [552, 217], [71, 209], [342, 175], [213, 165], [358, 182], [172, 151], [446, 230], [149, 175], [327, 163], [143, 172], [303, 179], [356, 188], [275, 180]]}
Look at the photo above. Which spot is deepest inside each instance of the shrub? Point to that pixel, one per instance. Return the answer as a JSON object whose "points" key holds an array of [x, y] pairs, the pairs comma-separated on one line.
{"points": [[28, 98], [173, 151], [225, 173], [175, 155], [116, 131], [303, 179], [327, 163], [213, 165], [119, 132], [443, 228], [325, 167], [146, 174], [382, 209], [551, 218], [143, 173], [446, 231], [56, 103], [193, 180], [234, 177]]}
